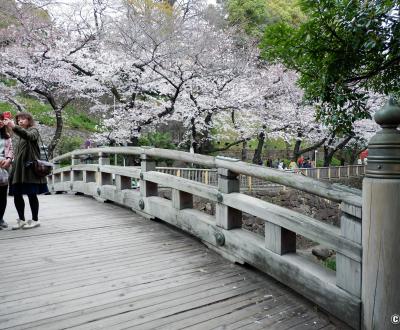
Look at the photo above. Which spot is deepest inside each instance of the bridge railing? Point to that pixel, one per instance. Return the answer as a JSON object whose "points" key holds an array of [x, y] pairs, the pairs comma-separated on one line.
{"points": [[334, 172], [338, 292]]}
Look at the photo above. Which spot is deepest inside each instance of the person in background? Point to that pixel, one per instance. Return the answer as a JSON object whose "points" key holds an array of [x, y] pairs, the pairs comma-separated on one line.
{"points": [[307, 163], [293, 165], [6, 157], [23, 180], [300, 161]]}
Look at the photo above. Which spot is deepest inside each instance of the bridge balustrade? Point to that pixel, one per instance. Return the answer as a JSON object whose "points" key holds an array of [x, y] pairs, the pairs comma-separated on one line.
{"points": [[338, 292]]}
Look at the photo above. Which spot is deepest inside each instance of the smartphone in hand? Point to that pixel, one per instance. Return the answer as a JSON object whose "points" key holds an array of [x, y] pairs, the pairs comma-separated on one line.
{"points": [[7, 115]]}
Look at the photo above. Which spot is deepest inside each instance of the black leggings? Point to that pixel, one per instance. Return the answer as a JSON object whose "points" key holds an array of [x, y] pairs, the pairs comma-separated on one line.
{"points": [[3, 200], [20, 206]]}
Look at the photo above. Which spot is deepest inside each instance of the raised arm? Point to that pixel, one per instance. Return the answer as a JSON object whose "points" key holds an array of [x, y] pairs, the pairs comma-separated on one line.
{"points": [[30, 134]]}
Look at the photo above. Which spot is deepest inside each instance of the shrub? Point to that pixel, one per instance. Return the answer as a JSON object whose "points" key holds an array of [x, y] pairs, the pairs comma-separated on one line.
{"points": [[68, 144], [158, 140]]}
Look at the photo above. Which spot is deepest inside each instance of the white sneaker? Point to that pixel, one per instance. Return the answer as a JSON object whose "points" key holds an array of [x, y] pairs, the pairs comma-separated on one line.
{"points": [[20, 224], [31, 224]]}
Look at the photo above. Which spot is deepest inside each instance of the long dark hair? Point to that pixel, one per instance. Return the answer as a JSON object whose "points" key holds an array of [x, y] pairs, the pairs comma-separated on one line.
{"points": [[4, 131]]}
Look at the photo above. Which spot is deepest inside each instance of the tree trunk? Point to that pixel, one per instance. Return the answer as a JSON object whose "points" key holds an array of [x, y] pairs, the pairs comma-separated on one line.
{"points": [[244, 151], [327, 156], [258, 152], [57, 134]]}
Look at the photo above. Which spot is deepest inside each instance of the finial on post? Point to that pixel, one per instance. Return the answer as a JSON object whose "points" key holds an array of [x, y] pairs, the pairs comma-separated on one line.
{"points": [[384, 147]]}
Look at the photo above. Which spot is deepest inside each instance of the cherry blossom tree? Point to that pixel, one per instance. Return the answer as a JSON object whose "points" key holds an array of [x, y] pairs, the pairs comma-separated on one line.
{"points": [[41, 57]]}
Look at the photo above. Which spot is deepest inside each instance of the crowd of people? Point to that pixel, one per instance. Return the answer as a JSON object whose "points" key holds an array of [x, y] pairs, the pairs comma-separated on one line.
{"points": [[17, 176], [293, 165]]}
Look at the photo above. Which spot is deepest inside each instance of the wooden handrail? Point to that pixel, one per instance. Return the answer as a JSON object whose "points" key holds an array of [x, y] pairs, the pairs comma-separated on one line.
{"points": [[322, 189]]}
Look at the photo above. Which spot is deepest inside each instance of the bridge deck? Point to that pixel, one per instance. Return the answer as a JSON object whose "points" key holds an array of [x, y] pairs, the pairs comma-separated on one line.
{"points": [[93, 265]]}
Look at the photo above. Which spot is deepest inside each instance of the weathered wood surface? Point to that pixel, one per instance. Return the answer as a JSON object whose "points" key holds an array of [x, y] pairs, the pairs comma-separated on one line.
{"points": [[322, 189], [93, 265]]}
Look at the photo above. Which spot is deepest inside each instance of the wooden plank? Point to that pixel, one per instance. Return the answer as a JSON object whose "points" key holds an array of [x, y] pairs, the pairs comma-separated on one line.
{"points": [[311, 280], [98, 264]]}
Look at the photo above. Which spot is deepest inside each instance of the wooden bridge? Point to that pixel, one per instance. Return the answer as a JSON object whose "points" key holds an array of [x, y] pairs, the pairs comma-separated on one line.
{"points": [[92, 266], [97, 265]]}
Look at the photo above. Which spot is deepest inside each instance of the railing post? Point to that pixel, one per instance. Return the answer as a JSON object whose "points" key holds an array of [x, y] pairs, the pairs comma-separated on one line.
{"points": [[123, 182], [147, 188], [181, 200], [228, 217], [75, 161], [103, 178], [348, 271], [381, 224], [103, 159], [249, 182]]}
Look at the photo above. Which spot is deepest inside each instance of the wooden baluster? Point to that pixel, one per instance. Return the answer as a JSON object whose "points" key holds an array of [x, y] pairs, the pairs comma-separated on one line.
{"points": [[147, 188], [228, 217], [123, 182], [181, 200], [348, 271], [103, 178]]}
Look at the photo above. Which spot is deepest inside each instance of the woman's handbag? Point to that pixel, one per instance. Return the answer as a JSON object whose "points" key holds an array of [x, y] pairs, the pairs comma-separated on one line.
{"points": [[3, 177], [41, 168]]}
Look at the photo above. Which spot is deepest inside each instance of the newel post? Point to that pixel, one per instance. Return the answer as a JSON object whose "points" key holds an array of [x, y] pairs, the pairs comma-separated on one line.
{"points": [[381, 224]]}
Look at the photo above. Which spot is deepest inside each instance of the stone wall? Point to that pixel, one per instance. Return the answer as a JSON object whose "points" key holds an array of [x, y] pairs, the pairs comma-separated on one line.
{"points": [[47, 133]]}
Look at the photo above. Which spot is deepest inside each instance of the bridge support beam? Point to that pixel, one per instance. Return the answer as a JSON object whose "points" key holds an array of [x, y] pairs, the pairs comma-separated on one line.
{"points": [[381, 225]]}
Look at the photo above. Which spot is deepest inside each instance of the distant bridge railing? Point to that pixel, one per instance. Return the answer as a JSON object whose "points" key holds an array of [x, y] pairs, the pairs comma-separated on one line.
{"points": [[338, 292], [334, 172]]}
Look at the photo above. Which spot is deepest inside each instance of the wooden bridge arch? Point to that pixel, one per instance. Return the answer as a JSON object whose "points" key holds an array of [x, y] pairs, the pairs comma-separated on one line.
{"points": [[337, 292]]}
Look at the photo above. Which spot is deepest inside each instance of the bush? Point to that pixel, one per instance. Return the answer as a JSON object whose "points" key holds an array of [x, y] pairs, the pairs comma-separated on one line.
{"points": [[158, 140], [335, 162], [330, 264], [68, 144]]}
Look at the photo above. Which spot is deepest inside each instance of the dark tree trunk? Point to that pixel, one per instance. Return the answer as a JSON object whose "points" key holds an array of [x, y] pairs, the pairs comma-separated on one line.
{"points": [[258, 152], [329, 152], [57, 134], [244, 151]]}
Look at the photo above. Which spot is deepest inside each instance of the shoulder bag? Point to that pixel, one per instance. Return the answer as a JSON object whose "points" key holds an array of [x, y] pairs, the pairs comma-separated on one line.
{"points": [[41, 168]]}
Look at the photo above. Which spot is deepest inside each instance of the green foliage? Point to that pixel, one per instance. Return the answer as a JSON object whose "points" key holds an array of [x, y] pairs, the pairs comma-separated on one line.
{"points": [[254, 15], [69, 143], [335, 162], [343, 50], [79, 120], [6, 107], [44, 114], [158, 140], [8, 82], [330, 263]]}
